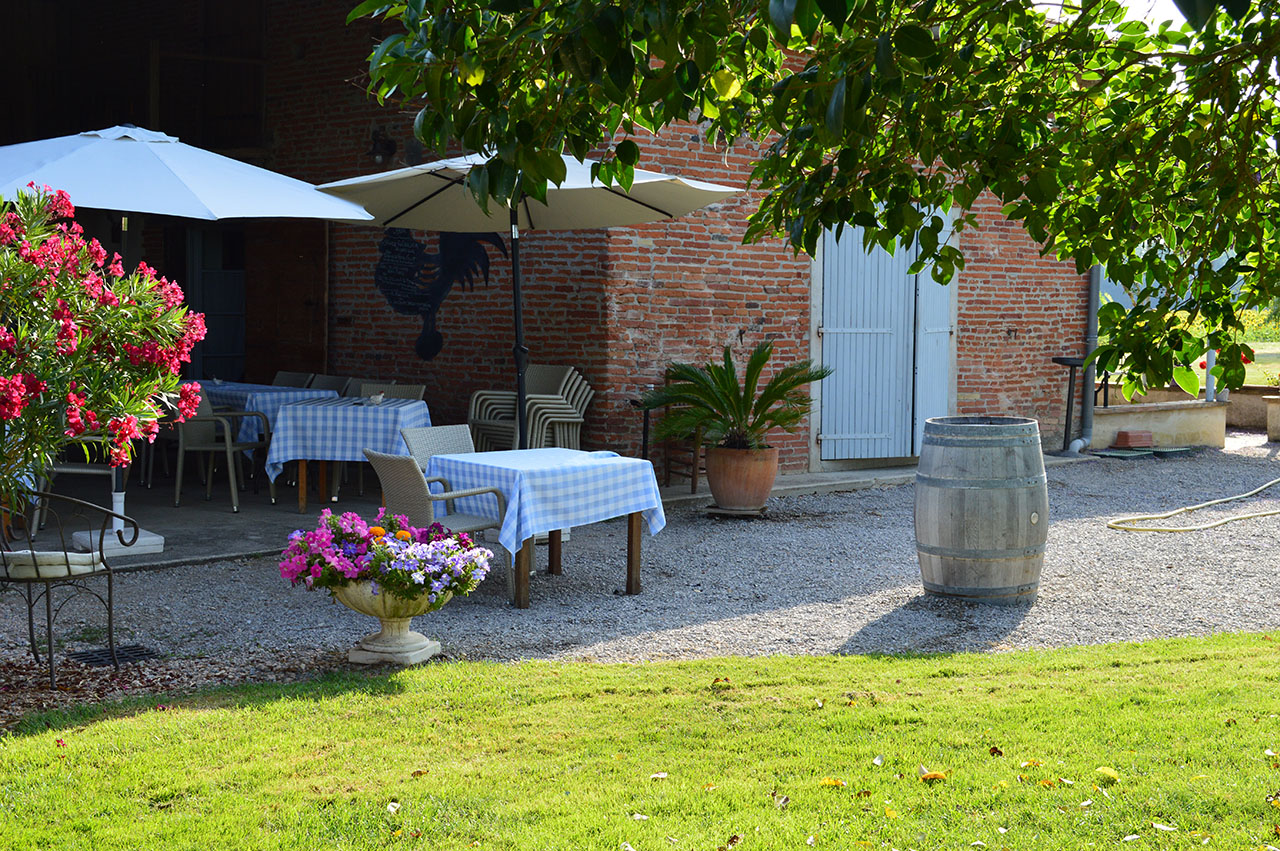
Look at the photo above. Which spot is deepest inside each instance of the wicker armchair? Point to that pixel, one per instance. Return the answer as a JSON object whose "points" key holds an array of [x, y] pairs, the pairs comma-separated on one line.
{"points": [[52, 563], [406, 491]]}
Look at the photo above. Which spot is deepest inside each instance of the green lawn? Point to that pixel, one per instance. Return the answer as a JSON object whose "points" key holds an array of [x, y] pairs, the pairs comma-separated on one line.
{"points": [[781, 752]]}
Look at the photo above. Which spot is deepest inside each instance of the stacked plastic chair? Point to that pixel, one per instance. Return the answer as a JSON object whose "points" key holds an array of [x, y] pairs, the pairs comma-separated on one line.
{"points": [[556, 402]]}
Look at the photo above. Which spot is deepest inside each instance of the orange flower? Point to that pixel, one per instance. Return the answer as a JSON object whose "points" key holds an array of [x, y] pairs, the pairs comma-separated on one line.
{"points": [[403, 535], [377, 531]]}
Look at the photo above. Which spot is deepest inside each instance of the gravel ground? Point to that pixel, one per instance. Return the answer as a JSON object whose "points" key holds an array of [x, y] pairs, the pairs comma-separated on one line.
{"points": [[831, 573]]}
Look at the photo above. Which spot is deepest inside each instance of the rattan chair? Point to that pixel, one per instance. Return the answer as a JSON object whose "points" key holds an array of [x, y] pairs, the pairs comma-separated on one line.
{"points": [[393, 391], [406, 491], [206, 432], [292, 379], [437, 440], [337, 383], [53, 563]]}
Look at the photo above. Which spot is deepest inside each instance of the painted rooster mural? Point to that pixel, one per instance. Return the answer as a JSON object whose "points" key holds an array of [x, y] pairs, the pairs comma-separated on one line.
{"points": [[415, 281]]}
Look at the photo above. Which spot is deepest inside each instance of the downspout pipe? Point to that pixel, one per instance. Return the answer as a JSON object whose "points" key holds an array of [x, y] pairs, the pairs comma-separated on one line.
{"points": [[1090, 371]]}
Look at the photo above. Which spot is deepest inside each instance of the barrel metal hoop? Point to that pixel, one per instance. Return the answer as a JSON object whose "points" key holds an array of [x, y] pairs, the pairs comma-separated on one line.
{"points": [[981, 484], [983, 442], [979, 555], [954, 591]]}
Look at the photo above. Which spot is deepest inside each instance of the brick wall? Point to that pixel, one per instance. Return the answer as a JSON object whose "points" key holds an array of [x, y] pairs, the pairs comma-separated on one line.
{"points": [[621, 304]]}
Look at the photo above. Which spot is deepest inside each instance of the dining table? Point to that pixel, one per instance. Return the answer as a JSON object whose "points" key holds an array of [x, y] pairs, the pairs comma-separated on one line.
{"points": [[551, 489], [266, 398], [339, 429]]}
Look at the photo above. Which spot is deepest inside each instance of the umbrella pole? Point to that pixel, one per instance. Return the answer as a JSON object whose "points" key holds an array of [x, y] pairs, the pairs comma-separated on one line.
{"points": [[521, 352]]}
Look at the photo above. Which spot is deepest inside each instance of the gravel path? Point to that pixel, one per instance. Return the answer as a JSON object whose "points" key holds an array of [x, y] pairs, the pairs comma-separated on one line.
{"points": [[832, 573]]}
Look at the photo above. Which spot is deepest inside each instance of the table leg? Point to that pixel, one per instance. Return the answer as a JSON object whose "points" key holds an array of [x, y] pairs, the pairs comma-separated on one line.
{"points": [[522, 563], [324, 480], [302, 487], [553, 552], [633, 552]]}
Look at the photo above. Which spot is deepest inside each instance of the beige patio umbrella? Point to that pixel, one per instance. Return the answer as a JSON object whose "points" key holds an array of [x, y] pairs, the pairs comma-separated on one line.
{"points": [[434, 197]]}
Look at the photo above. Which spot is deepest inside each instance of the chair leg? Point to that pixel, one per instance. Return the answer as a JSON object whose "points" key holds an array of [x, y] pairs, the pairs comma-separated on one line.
{"points": [[208, 478], [48, 631], [177, 485], [111, 620], [31, 622], [231, 474]]}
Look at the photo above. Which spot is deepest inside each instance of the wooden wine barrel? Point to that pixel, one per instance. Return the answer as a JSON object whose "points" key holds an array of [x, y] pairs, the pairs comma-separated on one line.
{"points": [[982, 508]]}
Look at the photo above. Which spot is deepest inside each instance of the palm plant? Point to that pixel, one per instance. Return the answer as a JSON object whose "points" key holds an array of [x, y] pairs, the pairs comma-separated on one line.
{"points": [[732, 414]]}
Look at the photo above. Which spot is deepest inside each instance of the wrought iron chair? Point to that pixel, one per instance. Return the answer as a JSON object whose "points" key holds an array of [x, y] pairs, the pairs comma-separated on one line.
{"points": [[53, 563]]}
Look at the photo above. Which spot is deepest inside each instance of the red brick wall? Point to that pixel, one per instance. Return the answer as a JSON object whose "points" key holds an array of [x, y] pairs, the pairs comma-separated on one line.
{"points": [[1016, 311], [621, 304]]}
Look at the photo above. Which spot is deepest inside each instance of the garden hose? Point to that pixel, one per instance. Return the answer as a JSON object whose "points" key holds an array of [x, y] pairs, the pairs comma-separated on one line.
{"points": [[1122, 522]]}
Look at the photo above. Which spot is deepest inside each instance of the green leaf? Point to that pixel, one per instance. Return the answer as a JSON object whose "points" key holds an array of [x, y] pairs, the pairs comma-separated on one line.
{"points": [[782, 14], [726, 84], [628, 152], [915, 41], [366, 8], [835, 109], [835, 11], [884, 57], [1188, 379]]}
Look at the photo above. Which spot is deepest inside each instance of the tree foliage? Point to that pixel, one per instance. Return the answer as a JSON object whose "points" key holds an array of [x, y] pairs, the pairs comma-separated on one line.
{"points": [[1150, 149]]}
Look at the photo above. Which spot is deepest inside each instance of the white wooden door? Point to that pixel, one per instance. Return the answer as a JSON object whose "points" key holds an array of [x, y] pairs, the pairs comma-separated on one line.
{"points": [[887, 335]]}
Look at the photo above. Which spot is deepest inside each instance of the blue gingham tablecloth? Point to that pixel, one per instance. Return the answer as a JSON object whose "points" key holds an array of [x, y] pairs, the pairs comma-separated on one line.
{"points": [[552, 488], [266, 398], [341, 429]]}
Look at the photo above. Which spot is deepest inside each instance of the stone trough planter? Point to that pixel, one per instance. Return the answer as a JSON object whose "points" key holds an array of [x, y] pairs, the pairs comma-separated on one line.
{"points": [[1186, 423]]}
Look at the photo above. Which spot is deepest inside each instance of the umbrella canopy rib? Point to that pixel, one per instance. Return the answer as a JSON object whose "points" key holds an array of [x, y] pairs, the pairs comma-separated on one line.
{"points": [[449, 183]]}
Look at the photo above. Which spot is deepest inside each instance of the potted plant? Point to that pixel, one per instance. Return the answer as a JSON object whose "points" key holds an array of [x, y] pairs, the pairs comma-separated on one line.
{"points": [[734, 417], [388, 570]]}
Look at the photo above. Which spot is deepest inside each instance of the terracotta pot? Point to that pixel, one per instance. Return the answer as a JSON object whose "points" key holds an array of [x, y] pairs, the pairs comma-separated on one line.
{"points": [[395, 642], [741, 479]]}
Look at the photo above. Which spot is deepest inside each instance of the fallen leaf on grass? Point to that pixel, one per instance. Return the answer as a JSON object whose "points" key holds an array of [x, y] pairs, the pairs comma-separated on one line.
{"points": [[832, 781], [1158, 826], [707, 787], [1109, 775], [1048, 784], [393, 807], [817, 701], [661, 775], [1002, 830], [1269, 752], [809, 841], [878, 760], [927, 776], [1131, 837], [1065, 782], [1030, 763], [417, 772], [780, 801], [890, 813], [639, 817], [864, 793], [1086, 803], [995, 751], [626, 846], [732, 841]]}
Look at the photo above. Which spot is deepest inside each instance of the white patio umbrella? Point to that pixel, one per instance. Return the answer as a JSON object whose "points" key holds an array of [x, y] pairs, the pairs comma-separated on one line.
{"points": [[434, 197], [143, 171], [129, 169]]}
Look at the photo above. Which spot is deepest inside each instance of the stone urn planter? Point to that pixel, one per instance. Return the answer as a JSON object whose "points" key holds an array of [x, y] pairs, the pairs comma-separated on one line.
{"points": [[741, 479], [395, 642]]}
